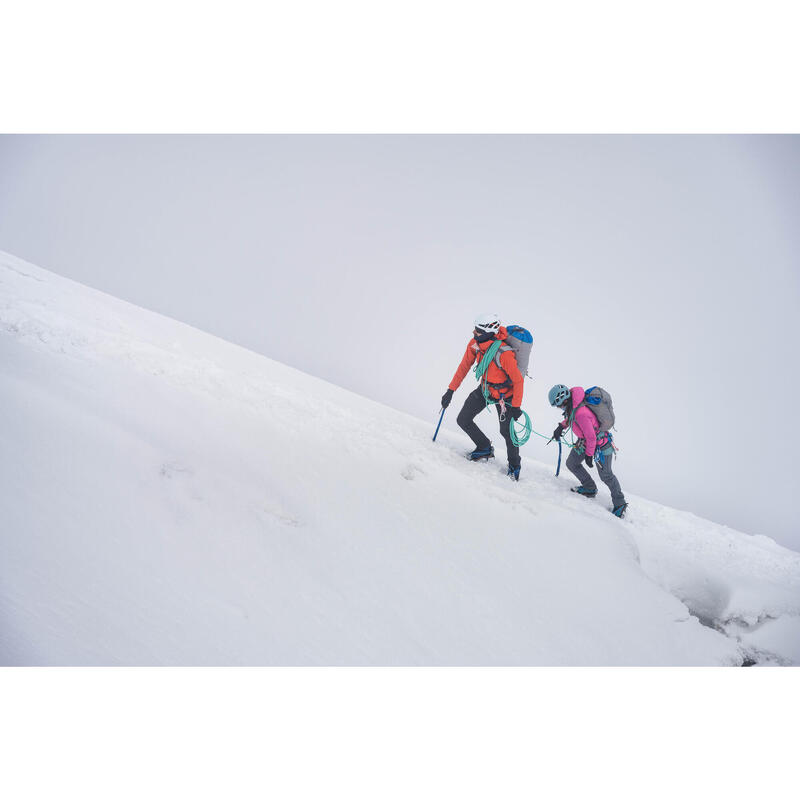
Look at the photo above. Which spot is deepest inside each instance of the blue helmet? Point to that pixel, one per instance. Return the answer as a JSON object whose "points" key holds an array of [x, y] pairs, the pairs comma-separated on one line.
{"points": [[558, 395]]}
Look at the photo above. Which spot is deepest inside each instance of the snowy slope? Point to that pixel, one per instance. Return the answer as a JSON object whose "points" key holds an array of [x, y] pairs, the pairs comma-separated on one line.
{"points": [[170, 498]]}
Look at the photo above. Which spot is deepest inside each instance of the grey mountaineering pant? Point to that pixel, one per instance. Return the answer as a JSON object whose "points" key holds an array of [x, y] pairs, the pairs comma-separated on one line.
{"points": [[576, 467], [473, 405]]}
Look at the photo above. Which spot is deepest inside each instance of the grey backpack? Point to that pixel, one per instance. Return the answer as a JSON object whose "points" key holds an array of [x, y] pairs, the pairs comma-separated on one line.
{"points": [[598, 401], [520, 340]]}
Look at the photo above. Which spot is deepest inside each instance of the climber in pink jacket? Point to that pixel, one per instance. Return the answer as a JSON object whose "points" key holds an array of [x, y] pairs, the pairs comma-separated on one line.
{"points": [[589, 449], [584, 423]]}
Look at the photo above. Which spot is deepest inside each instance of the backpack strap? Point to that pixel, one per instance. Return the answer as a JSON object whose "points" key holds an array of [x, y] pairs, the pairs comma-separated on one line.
{"points": [[502, 349]]}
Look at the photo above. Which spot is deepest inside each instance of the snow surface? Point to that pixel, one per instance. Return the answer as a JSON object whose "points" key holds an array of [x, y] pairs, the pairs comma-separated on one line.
{"points": [[171, 498]]}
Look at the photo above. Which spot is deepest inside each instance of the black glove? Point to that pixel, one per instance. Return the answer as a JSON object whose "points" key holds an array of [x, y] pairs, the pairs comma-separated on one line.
{"points": [[557, 433], [516, 412], [589, 462], [446, 398]]}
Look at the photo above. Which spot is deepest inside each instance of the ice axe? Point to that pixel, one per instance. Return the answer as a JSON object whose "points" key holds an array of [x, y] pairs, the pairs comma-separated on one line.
{"points": [[441, 417], [558, 466]]}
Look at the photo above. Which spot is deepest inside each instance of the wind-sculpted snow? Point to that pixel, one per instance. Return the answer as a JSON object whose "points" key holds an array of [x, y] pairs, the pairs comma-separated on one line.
{"points": [[170, 498]]}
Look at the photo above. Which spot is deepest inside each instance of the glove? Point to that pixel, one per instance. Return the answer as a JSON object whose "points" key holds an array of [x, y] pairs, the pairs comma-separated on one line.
{"points": [[446, 398], [557, 433], [589, 462], [516, 412]]}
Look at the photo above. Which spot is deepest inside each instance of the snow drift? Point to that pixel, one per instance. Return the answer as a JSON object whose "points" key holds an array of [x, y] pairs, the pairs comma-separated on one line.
{"points": [[170, 498]]}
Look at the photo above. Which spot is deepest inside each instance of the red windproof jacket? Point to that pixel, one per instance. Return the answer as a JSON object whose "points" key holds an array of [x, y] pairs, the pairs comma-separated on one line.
{"points": [[510, 370]]}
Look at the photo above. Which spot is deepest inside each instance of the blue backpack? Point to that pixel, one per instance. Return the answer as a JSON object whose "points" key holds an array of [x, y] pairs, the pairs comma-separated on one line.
{"points": [[520, 340]]}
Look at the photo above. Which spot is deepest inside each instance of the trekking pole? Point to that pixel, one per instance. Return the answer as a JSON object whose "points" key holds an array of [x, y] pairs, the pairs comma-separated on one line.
{"points": [[441, 417]]}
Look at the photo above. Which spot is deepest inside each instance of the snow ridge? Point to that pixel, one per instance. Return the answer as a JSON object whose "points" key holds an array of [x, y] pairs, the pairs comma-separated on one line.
{"points": [[176, 499]]}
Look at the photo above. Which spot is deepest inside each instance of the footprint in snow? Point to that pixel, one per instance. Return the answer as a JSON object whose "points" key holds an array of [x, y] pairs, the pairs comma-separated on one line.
{"points": [[410, 471]]}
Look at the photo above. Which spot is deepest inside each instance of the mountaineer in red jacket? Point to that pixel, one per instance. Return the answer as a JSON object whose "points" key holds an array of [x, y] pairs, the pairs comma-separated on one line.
{"points": [[504, 383]]}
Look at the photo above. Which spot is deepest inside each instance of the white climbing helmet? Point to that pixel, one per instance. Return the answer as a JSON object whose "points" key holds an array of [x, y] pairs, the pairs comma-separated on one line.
{"points": [[488, 323]]}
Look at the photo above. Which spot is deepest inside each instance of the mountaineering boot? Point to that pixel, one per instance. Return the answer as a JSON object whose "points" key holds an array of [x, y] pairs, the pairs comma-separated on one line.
{"points": [[513, 473], [584, 492], [481, 454], [619, 511]]}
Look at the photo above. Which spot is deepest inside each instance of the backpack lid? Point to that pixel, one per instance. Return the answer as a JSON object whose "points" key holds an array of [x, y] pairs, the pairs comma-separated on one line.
{"points": [[518, 332]]}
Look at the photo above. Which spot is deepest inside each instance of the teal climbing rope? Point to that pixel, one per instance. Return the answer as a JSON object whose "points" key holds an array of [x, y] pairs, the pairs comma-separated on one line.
{"points": [[487, 358], [525, 430]]}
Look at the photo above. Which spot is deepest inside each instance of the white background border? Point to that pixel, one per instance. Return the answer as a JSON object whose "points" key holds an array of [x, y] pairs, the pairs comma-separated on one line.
{"points": [[398, 67], [391, 66], [398, 733]]}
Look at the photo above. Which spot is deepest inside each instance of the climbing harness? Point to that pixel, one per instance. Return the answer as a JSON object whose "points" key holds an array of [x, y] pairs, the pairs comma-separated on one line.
{"points": [[608, 450]]}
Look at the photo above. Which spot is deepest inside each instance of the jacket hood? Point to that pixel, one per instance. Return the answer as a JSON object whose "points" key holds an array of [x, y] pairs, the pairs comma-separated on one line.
{"points": [[577, 394], [501, 334]]}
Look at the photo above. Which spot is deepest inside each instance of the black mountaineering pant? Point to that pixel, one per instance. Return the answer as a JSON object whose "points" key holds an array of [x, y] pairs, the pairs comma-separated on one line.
{"points": [[473, 406]]}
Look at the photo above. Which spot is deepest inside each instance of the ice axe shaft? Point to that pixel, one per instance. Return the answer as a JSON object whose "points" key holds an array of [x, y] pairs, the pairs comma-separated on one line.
{"points": [[441, 417], [558, 466]]}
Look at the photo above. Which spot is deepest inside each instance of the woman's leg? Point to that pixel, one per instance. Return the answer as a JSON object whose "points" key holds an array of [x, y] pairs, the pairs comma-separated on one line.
{"points": [[575, 466], [610, 479]]}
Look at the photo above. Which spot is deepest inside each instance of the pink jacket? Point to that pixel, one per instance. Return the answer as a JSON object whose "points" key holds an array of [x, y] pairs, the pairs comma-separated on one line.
{"points": [[584, 423]]}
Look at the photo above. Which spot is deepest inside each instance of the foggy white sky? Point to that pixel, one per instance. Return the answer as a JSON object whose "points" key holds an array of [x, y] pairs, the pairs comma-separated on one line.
{"points": [[666, 269]]}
